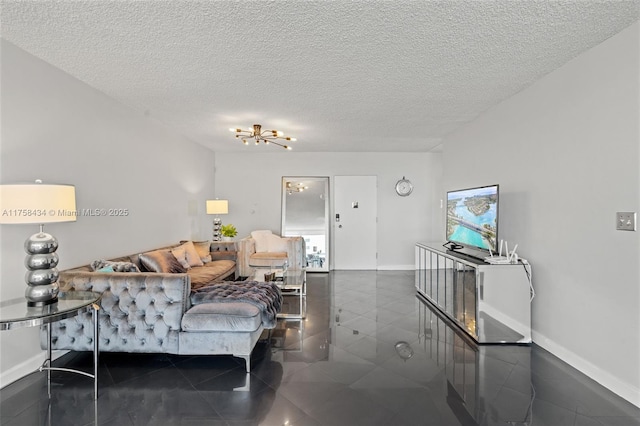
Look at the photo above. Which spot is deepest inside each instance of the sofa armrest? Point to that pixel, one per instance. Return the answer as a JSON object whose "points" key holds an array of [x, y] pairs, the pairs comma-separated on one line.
{"points": [[246, 247], [296, 252], [140, 312]]}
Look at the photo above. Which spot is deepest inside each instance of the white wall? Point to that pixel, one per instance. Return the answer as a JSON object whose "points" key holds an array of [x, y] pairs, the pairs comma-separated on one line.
{"points": [[251, 181], [565, 152], [60, 130]]}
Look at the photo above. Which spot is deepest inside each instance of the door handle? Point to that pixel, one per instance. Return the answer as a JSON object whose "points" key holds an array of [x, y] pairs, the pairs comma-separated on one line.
{"points": [[337, 217], [339, 226]]}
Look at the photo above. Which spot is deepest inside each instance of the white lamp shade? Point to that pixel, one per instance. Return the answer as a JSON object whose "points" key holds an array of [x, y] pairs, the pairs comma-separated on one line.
{"points": [[37, 203], [217, 206]]}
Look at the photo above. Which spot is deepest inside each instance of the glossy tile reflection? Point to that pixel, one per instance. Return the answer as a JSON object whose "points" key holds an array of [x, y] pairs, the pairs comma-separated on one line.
{"points": [[369, 352]]}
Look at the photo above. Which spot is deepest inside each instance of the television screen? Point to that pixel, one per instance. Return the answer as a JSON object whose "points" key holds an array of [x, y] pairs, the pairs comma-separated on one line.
{"points": [[472, 217]]}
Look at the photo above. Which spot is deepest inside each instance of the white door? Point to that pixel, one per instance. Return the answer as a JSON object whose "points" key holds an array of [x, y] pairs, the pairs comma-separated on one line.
{"points": [[355, 222]]}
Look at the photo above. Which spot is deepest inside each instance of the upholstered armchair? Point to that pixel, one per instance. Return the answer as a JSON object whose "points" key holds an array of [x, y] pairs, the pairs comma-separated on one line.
{"points": [[263, 249]]}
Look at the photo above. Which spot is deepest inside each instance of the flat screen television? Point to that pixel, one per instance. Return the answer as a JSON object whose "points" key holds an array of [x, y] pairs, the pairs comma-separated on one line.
{"points": [[472, 218]]}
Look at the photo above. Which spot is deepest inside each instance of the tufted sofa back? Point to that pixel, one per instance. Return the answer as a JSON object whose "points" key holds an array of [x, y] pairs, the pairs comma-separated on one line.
{"points": [[141, 312], [133, 258]]}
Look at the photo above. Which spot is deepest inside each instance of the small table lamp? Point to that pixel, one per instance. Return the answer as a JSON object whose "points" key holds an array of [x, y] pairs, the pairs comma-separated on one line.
{"points": [[39, 203], [217, 207]]}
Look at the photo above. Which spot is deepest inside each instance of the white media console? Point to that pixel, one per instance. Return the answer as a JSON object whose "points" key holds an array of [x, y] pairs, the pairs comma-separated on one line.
{"points": [[489, 302]]}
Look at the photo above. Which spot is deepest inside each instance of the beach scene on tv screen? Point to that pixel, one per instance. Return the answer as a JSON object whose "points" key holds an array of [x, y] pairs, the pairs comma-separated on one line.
{"points": [[472, 216]]}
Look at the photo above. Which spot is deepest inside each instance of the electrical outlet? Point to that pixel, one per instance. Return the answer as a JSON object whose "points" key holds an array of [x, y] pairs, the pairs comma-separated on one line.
{"points": [[626, 221]]}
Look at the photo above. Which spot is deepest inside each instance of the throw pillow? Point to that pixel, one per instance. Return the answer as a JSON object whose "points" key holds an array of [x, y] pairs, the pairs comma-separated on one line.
{"points": [[187, 255], [106, 269], [204, 250], [261, 239], [277, 244], [161, 261], [116, 266], [193, 257], [181, 256]]}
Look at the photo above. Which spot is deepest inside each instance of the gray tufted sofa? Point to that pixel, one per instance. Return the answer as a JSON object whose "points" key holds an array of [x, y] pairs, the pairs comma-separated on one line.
{"points": [[152, 312]]}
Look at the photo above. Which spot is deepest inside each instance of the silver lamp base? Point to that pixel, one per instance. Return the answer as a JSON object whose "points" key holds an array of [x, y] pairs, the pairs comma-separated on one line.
{"points": [[42, 295], [217, 224], [42, 274]]}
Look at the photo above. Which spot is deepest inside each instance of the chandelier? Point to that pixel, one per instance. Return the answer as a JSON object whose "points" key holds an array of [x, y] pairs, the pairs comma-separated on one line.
{"points": [[259, 135], [295, 187]]}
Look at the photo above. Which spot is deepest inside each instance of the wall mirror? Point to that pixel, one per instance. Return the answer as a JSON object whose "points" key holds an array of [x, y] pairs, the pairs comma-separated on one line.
{"points": [[305, 213]]}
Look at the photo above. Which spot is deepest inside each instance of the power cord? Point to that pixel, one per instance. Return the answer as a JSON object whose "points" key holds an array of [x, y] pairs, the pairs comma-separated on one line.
{"points": [[529, 272]]}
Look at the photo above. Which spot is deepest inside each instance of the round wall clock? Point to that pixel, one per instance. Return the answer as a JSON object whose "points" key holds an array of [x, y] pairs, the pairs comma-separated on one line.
{"points": [[404, 187]]}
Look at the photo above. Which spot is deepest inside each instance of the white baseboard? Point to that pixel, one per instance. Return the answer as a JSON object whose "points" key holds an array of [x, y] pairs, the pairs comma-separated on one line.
{"points": [[614, 384], [26, 367], [410, 267]]}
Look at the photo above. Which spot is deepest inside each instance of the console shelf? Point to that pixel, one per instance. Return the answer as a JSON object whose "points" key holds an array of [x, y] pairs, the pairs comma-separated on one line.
{"points": [[491, 303]]}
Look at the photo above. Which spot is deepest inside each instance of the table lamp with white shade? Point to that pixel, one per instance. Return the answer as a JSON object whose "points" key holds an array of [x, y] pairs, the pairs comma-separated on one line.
{"points": [[39, 203], [217, 207]]}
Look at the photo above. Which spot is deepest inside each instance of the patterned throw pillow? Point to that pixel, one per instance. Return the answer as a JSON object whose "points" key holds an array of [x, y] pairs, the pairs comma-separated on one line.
{"points": [[116, 266], [161, 261]]}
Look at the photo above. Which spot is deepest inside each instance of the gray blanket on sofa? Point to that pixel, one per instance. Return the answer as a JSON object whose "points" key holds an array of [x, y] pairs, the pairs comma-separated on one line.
{"points": [[266, 296]]}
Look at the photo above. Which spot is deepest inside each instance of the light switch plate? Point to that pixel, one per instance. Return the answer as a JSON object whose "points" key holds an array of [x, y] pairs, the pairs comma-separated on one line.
{"points": [[626, 221]]}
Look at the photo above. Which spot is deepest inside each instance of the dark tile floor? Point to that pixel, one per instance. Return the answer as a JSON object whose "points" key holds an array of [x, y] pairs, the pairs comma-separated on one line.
{"points": [[368, 353]]}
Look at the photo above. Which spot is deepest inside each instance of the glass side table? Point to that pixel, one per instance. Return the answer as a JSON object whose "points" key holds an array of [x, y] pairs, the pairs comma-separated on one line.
{"points": [[291, 282], [275, 271], [15, 314], [294, 283]]}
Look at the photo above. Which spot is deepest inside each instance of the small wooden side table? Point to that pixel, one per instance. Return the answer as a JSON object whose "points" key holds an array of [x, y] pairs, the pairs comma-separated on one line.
{"points": [[224, 250]]}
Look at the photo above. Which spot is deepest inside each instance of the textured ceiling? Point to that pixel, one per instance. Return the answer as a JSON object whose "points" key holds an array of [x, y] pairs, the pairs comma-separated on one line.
{"points": [[339, 76]]}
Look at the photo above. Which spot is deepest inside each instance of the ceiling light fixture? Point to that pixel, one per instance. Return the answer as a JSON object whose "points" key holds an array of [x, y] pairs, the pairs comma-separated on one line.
{"points": [[295, 187], [259, 135]]}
